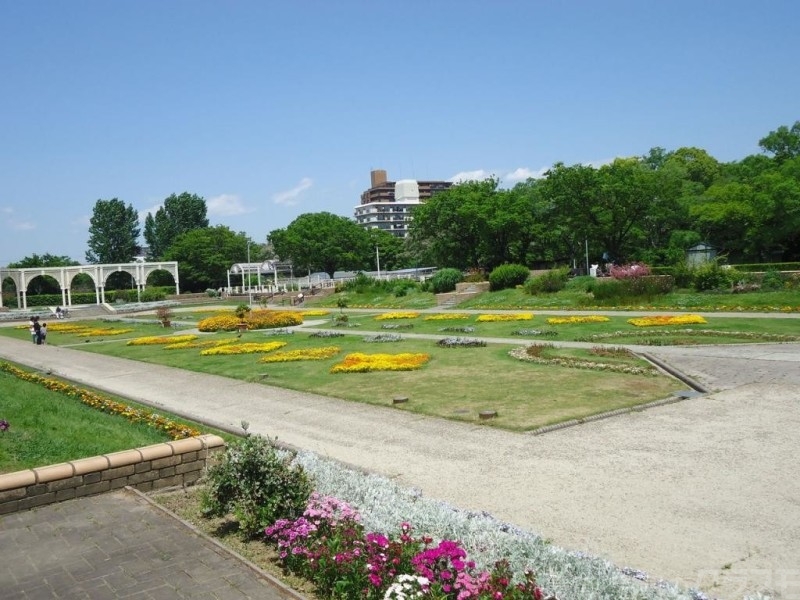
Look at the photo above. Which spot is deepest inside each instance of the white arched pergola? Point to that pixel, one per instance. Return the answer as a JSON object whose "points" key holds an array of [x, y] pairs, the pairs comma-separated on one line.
{"points": [[139, 271], [268, 268]]}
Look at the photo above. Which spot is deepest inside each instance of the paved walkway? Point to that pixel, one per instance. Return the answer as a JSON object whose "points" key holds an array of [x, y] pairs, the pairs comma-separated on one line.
{"points": [[702, 492], [119, 545]]}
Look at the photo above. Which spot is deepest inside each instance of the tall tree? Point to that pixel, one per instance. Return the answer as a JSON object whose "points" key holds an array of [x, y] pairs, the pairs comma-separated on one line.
{"points": [[323, 242], [783, 143], [178, 215], [205, 255], [45, 260], [113, 232]]}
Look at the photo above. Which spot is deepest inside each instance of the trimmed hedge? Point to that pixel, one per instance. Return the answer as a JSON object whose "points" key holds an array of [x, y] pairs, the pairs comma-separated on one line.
{"points": [[508, 276]]}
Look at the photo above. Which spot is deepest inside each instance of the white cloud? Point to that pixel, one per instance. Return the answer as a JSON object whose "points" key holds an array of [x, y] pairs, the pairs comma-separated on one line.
{"points": [[477, 175], [22, 225], [524, 173], [600, 163], [152, 210], [226, 205], [290, 197]]}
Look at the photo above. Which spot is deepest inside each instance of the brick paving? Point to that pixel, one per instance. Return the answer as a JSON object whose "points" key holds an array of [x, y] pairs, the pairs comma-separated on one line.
{"points": [[119, 545]]}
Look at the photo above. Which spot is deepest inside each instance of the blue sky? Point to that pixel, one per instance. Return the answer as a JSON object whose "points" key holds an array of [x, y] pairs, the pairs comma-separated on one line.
{"points": [[273, 109]]}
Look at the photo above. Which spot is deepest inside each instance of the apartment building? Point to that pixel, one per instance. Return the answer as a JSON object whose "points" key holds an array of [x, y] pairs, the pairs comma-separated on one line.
{"points": [[388, 205]]}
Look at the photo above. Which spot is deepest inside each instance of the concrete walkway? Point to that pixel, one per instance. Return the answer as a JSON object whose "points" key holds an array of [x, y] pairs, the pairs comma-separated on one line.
{"points": [[703, 492]]}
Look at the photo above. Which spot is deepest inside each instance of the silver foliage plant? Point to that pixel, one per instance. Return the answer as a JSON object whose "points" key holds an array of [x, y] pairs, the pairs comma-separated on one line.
{"points": [[384, 505]]}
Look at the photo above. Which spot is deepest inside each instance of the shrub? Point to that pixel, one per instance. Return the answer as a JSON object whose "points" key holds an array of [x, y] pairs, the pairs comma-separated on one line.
{"points": [[711, 276], [772, 281], [554, 280], [153, 295], [508, 276], [401, 287], [629, 271], [257, 484], [445, 280]]}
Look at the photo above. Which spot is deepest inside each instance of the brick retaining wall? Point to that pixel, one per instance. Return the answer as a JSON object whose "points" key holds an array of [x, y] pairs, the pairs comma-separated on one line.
{"points": [[161, 465]]}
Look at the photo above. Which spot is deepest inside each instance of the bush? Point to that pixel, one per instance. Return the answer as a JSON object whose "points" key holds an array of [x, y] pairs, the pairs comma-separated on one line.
{"points": [[508, 276], [257, 484], [445, 280], [712, 276], [554, 280], [401, 287], [772, 281]]}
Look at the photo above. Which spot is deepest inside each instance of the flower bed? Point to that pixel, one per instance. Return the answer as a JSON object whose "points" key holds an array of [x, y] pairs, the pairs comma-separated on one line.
{"points": [[493, 318], [196, 344], [662, 320], [446, 317], [397, 315], [466, 329], [103, 331], [329, 546], [161, 339], [174, 429], [397, 326], [308, 354], [577, 319], [326, 334], [382, 337], [315, 313], [246, 348], [535, 332], [358, 362], [256, 319], [533, 354], [747, 335]]}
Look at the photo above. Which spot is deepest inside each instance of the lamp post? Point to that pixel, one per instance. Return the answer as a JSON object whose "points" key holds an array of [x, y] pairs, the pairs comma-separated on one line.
{"points": [[378, 261], [249, 288]]}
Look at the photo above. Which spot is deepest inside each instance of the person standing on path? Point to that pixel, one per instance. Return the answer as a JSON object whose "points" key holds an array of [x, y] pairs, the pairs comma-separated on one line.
{"points": [[37, 331], [32, 328], [43, 333]]}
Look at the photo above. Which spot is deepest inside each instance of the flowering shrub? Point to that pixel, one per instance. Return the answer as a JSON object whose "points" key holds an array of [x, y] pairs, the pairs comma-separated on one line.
{"points": [[256, 319], [629, 271], [397, 315], [358, 362], [577, 319], [309, 354], [660, 320], [446, 317], [459, 342], [161, 339], [247, 348], [172, 428], [504, 317]]}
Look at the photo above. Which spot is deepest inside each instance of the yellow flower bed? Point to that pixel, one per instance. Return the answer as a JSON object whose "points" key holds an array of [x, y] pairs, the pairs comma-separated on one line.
{"points": [[255, 319], [103, 331], [504, 317], [446, 317], [397, 315], [315, 313], [203, 344], [62, 328], [247, 348], [174, 429], [153, 340], [577, 319], [309, 354], [358, 362], [660, 320]]}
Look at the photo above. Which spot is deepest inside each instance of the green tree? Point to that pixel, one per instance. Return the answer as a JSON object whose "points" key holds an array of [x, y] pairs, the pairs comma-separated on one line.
{"points": [[390, 248], [475, 224], [783, 143], [323, 242], [45, 260], [205, 255], [113, 232], [178, 215]]}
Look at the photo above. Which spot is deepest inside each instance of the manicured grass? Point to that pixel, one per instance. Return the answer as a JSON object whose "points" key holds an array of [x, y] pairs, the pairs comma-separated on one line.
{"points": [[48, 427], [570, 332], [457, 383]]}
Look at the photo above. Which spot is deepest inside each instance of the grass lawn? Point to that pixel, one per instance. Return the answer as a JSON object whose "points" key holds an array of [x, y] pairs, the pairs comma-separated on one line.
{"points": [[48, 427], [449, 386]]}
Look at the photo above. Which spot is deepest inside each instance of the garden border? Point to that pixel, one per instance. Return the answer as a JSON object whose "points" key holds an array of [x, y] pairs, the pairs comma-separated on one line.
{"points": [[177, 463]]}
